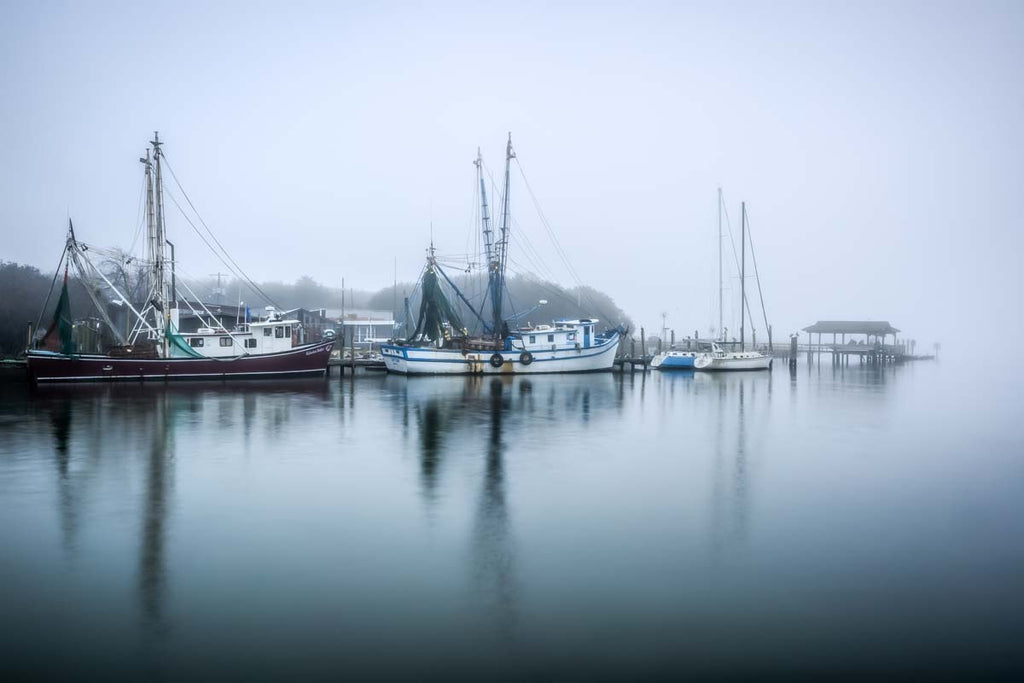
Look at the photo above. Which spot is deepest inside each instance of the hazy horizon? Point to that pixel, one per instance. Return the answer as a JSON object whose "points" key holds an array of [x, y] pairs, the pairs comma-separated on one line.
{"points": [[878, 147]]}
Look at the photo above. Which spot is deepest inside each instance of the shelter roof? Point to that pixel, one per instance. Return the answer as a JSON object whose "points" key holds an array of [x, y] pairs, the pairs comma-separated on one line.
{"points": [[880, 327]]}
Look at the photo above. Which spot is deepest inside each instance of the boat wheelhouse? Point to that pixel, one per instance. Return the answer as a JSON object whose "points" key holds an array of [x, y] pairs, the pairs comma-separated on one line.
{"points": [[265, 336]]}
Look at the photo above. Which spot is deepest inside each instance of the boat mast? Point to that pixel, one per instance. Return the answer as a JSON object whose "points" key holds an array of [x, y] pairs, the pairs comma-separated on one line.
{"points": [[163, 313], [500, 258], [150, 219], [721, 330], [743, 270], [485, 215], [493, 264]]}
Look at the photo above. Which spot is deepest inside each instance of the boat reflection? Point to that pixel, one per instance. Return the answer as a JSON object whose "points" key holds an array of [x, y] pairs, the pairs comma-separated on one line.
{"points": [[144, 418], [450, 414]]}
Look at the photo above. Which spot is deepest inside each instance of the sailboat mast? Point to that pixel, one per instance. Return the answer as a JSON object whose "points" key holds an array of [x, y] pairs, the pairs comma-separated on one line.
{"points": [[743, 271], [721, 329]]}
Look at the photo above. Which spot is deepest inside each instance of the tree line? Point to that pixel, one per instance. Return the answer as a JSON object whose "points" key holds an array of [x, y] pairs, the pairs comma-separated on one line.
{"points": [[24, 289]]}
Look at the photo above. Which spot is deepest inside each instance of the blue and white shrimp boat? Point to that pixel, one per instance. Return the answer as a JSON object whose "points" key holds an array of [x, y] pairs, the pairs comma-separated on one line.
{"points": [[442, 345], [565, 346]]}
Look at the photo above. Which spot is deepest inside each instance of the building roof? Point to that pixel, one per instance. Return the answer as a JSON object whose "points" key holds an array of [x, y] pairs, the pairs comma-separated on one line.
{"points": [[881, 327]]}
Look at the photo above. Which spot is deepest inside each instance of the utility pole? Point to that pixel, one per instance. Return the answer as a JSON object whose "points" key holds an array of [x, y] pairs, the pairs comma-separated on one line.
{"points": [[219, 292]]}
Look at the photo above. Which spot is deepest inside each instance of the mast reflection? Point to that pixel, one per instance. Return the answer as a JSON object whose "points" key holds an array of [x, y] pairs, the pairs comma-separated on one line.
{"points": [[60, 421], [152, 570], [493, 557]]}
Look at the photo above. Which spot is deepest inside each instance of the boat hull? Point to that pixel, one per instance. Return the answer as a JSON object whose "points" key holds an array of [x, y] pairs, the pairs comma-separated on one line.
{"points": [[744, 362], [674, 361], [307, 360], [415, 360]]}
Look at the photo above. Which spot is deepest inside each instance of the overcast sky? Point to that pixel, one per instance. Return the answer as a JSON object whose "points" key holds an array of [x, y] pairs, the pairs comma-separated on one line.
{"points": [[879, 145]]}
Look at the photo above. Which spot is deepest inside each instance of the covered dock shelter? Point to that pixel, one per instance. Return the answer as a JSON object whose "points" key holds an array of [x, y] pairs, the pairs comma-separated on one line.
{"points": [[846, 339], [873, 330]]}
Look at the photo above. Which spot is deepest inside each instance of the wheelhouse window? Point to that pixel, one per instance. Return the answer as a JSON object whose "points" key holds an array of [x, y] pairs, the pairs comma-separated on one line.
{"points": [[287, 330], [195, 342], [225, 341], [533, 339], [250, 343], [551, 337], [266, 331], [279, 333]]}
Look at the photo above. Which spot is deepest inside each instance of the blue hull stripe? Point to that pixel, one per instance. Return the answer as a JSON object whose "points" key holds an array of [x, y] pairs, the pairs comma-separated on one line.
{"points": [[483, 359]]}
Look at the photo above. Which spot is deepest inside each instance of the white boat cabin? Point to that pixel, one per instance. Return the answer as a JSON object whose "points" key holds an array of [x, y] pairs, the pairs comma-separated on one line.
{"points": [[252, 339], [563, 334]]}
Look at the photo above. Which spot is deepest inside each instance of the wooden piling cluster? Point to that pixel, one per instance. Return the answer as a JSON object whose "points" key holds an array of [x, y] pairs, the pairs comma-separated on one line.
{"points": [[632, 360]]}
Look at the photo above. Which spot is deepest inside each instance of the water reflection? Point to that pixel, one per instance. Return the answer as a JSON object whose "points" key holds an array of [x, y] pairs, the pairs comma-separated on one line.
{"points": [[605, 524], [152, 581], [141, 419], [492, 549], [449, 416], [60, 422]]}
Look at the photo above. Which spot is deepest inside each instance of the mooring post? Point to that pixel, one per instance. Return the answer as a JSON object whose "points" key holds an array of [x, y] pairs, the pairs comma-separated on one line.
{"points": [[673, 344], [352, 350], [632, 354], [792, 348], [643, 348], [28, 338]]}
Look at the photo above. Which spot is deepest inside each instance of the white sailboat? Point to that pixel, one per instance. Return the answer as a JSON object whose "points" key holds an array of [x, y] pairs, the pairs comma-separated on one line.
{"points": [[442, 345], [718, 358], [710, 355]]}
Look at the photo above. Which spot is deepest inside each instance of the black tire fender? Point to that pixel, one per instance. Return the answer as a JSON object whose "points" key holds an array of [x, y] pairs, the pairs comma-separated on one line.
{"points": [[526, 358], [497, 360]]}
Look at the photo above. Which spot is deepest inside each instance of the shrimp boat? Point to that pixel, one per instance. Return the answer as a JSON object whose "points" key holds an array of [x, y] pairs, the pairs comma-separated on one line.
{"points": [[155, 349], [442, 345], [711, 356]]}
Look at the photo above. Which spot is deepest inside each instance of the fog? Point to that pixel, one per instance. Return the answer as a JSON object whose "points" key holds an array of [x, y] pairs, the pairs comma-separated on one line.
{"points": [[878, 145]]}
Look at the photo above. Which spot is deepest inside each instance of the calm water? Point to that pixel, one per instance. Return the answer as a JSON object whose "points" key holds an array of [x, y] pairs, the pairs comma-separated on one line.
{"points": [[604, 527]]}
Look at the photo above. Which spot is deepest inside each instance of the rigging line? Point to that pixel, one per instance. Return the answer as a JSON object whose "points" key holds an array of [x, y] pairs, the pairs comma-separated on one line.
{"points": [[556, 289], [538, 267], [735, 256], [53, 282], [757, 277], [141, 217], [547, 226], [189, 200], [202, 237], [554, 238], [213, 318], [252, 285], [75, 255], [522, 239]]}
